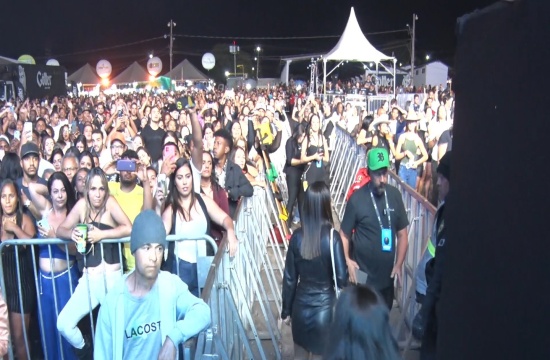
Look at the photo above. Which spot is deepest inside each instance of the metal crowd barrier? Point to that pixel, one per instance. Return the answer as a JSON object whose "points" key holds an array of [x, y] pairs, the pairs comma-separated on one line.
{"points": [[244, 292], [374, 102], [203, 266], [349, 157], [403, 98]]}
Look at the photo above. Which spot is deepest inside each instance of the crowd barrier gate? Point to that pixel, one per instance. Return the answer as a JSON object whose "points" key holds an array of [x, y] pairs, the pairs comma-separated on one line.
{"points": [[203, 266], [348, 158], [244, 292]]}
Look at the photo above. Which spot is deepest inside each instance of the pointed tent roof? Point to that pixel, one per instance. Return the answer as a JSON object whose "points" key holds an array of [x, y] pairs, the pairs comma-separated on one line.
{"points": [[133, 73], [186, 71], [354, 46], [85, 75]]}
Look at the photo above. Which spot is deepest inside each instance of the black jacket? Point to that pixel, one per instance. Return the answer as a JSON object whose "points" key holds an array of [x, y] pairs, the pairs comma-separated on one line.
{"points": [[308, 290], [315, 276], [236, 185]]}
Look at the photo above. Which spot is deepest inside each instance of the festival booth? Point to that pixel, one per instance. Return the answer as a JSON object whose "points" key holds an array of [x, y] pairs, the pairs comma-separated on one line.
{"points": [[136, 77], [185, 71], [86, 79]]}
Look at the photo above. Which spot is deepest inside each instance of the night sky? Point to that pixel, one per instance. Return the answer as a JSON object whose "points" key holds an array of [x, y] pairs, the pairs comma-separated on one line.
{"points": [[73, 32]]}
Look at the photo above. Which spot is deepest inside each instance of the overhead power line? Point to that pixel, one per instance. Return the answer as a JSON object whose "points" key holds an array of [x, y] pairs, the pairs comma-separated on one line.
{"points": [[280, 37], [109, 47], [212, 37]]}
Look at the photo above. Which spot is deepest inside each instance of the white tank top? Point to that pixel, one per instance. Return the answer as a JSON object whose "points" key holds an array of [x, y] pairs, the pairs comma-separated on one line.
{"points": [[190, 250]]}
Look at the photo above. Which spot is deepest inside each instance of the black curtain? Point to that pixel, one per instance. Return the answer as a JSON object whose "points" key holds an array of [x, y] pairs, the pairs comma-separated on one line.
{"points": [[495, 301]]}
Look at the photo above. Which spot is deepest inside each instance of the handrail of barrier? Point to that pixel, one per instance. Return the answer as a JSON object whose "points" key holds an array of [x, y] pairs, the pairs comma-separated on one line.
{"points": [[203, 265], [244, 292], [419, 210]]}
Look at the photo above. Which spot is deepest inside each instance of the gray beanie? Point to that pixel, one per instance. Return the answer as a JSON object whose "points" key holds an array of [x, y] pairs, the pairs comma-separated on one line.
{"points": [[148, 228]]}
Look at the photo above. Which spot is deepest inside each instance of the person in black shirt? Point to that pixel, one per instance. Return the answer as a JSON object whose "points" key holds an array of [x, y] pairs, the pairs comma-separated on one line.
{"points": [[377, 215], [294, 168], [152, 136]]}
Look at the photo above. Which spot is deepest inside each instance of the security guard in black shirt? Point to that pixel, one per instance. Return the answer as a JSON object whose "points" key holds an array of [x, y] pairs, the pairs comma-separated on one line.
{"points": [[376, 214]]}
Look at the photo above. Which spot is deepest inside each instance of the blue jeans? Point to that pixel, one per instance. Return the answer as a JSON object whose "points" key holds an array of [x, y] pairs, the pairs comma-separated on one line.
{"points": [[188, 274], [54, 343], [408, 175]]}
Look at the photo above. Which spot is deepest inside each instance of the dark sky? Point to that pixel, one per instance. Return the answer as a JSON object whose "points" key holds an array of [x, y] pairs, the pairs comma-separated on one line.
{"points": [[74, 31]]}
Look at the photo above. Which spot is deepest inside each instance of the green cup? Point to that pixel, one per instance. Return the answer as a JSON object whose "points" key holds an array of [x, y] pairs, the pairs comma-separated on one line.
{"points": [[81, 244]]}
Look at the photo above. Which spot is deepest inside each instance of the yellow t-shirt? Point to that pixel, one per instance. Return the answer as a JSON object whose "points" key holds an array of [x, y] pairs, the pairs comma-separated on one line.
{"points": [[131, 203]]}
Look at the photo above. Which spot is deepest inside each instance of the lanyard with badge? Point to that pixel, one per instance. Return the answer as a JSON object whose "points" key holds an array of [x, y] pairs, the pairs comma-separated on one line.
{"points": [[386, 238]]}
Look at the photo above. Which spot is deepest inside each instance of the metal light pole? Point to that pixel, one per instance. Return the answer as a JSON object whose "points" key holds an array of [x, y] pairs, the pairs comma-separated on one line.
{"points": [[234, 49], [413, 40], [171, 25], [258, 49]]}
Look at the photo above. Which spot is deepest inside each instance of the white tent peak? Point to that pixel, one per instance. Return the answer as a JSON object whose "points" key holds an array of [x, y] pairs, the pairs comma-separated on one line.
{"points": [[354, 46]]}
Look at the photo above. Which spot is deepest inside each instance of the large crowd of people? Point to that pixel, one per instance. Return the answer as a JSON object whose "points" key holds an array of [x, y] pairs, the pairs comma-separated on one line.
{"points": [[102, 161]]}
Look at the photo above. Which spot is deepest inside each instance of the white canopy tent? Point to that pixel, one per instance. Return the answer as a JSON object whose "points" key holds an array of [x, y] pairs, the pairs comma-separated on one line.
{"points": [[354, 46]]}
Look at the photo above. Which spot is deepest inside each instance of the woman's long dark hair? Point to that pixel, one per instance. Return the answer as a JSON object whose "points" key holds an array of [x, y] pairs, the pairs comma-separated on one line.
{"points": [[88, 154], [60, 136], [213, 179], [81, 139], [299, 130], [173, 194], [316, 213], [71, 199], [367, 120], [361, 329], [11, 167], [55, 152], [19, 207]]}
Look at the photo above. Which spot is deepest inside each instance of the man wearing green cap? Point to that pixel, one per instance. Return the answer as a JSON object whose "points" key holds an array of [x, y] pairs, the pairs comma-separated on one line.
{"points": [[376, 216]]}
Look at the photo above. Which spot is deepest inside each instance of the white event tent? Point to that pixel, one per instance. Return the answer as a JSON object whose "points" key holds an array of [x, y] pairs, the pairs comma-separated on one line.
{"points": [[352, 46]]}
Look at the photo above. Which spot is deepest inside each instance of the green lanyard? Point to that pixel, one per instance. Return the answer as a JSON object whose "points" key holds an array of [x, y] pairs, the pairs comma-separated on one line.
{"points": [[376, 209]]}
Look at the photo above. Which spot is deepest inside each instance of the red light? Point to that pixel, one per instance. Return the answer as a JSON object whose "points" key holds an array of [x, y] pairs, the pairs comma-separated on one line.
{"points": [[234, 42]]}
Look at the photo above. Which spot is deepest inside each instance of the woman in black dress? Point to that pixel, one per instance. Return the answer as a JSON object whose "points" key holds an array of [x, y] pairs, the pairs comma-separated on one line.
{"points": [[308, 285], [313, 153], [16, 225], [294, 168]]}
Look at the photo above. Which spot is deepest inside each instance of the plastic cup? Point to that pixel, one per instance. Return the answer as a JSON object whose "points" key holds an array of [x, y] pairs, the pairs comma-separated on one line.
{"points": [[81, 244]]}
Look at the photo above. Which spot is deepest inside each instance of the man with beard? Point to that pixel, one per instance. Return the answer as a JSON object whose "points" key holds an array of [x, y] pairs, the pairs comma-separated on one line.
{"points": [[101, 116], [9, 122], [118, 147], [131, 197], [152, 135], [99, 149], [148, 313], [376, 222], [30, 158]]}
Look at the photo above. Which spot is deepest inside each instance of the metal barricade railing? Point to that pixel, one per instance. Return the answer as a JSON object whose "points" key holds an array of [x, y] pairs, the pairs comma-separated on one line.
{"points": [[25, 254], [348, 157], [374, 102], [244, 292], [403, 98]]}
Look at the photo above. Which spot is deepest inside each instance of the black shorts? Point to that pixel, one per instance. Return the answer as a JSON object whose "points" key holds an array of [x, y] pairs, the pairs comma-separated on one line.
{"points": [[15, 295]]}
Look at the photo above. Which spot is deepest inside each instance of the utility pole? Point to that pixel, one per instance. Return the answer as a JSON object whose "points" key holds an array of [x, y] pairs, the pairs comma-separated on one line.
{"points": [[413, 40], [171, 25]]}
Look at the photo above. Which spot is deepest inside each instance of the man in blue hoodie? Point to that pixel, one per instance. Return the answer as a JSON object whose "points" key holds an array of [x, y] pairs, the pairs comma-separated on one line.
{"points": [[149, 312]]}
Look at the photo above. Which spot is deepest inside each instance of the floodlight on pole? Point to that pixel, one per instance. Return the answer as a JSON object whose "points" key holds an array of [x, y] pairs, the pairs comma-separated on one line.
{"points": [[257, 58], [234, 49]]}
